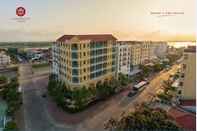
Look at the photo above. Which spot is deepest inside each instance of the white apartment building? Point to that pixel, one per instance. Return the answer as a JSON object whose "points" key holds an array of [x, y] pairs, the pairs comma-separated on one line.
{"points": [[124, 58], [4, 59], [55, 59], [133, 53]]}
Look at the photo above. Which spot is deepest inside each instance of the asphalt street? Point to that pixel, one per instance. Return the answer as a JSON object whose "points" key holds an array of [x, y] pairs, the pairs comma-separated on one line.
{"points": [[36, 117]]}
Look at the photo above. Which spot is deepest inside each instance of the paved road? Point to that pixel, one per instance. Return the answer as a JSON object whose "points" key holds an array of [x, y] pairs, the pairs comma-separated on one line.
{"points": [[35, 116], [37, 119], [127, 103]]}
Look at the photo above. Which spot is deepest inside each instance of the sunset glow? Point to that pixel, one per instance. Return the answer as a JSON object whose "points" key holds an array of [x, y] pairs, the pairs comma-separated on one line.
{"points": [[126, 19]]}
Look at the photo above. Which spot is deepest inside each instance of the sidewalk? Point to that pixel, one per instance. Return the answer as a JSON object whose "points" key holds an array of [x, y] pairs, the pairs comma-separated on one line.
{"points": [[63, 118]]}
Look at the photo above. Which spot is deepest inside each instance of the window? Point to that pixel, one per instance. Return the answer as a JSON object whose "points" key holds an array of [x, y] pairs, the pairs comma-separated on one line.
{"points": [[75, 79], [182, 75], [74, 55], [184, 66], [84, 54], [84, 77], [74, 63], [92, 68], [75, 71], [113, 62], [181, 83], [113, 49], [92, 75], [74, 47]]}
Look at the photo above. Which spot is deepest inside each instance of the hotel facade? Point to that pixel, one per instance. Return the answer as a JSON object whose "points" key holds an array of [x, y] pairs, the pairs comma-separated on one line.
{"points": [[84, 60]]}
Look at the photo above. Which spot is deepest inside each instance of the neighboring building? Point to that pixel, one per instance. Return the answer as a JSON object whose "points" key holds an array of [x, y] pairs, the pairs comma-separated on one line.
{"points": [[4, 59], [124, 58], [133, 53], [172, 50], [84, 60], [145, 49], [152, 50], [188, 76], [161, 49]]}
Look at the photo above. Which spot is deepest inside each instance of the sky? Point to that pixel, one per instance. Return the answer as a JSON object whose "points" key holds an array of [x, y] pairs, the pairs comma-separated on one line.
{"points": [[46, 20]]}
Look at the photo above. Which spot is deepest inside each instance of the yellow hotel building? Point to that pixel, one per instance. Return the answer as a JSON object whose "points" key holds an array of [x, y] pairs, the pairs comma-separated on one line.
{"points": [[83, 60]]}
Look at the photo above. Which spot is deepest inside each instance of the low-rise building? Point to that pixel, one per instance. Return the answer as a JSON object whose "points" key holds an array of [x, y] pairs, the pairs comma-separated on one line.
{"points": [[4, 59]]}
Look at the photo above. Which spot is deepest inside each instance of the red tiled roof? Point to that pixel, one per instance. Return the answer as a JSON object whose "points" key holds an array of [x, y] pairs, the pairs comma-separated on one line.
{"points": [[184, 119], [92, 37], [65, 37], [188, 102], [187, 121]]}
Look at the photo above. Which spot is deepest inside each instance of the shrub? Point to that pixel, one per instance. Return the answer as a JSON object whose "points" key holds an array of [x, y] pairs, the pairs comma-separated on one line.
{"points": [[12, 97], [3, 79], [77, 99]]}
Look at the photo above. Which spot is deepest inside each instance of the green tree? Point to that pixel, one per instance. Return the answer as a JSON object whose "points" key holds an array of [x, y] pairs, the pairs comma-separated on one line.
{"points": [[12, 97], [3, 79], [157, 67], [104, 90], [143, 118], [123, 79], [145, 69]]}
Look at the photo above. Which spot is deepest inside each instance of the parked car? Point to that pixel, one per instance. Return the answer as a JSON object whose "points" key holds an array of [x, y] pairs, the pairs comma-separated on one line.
{"points": [[132, 93]]}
